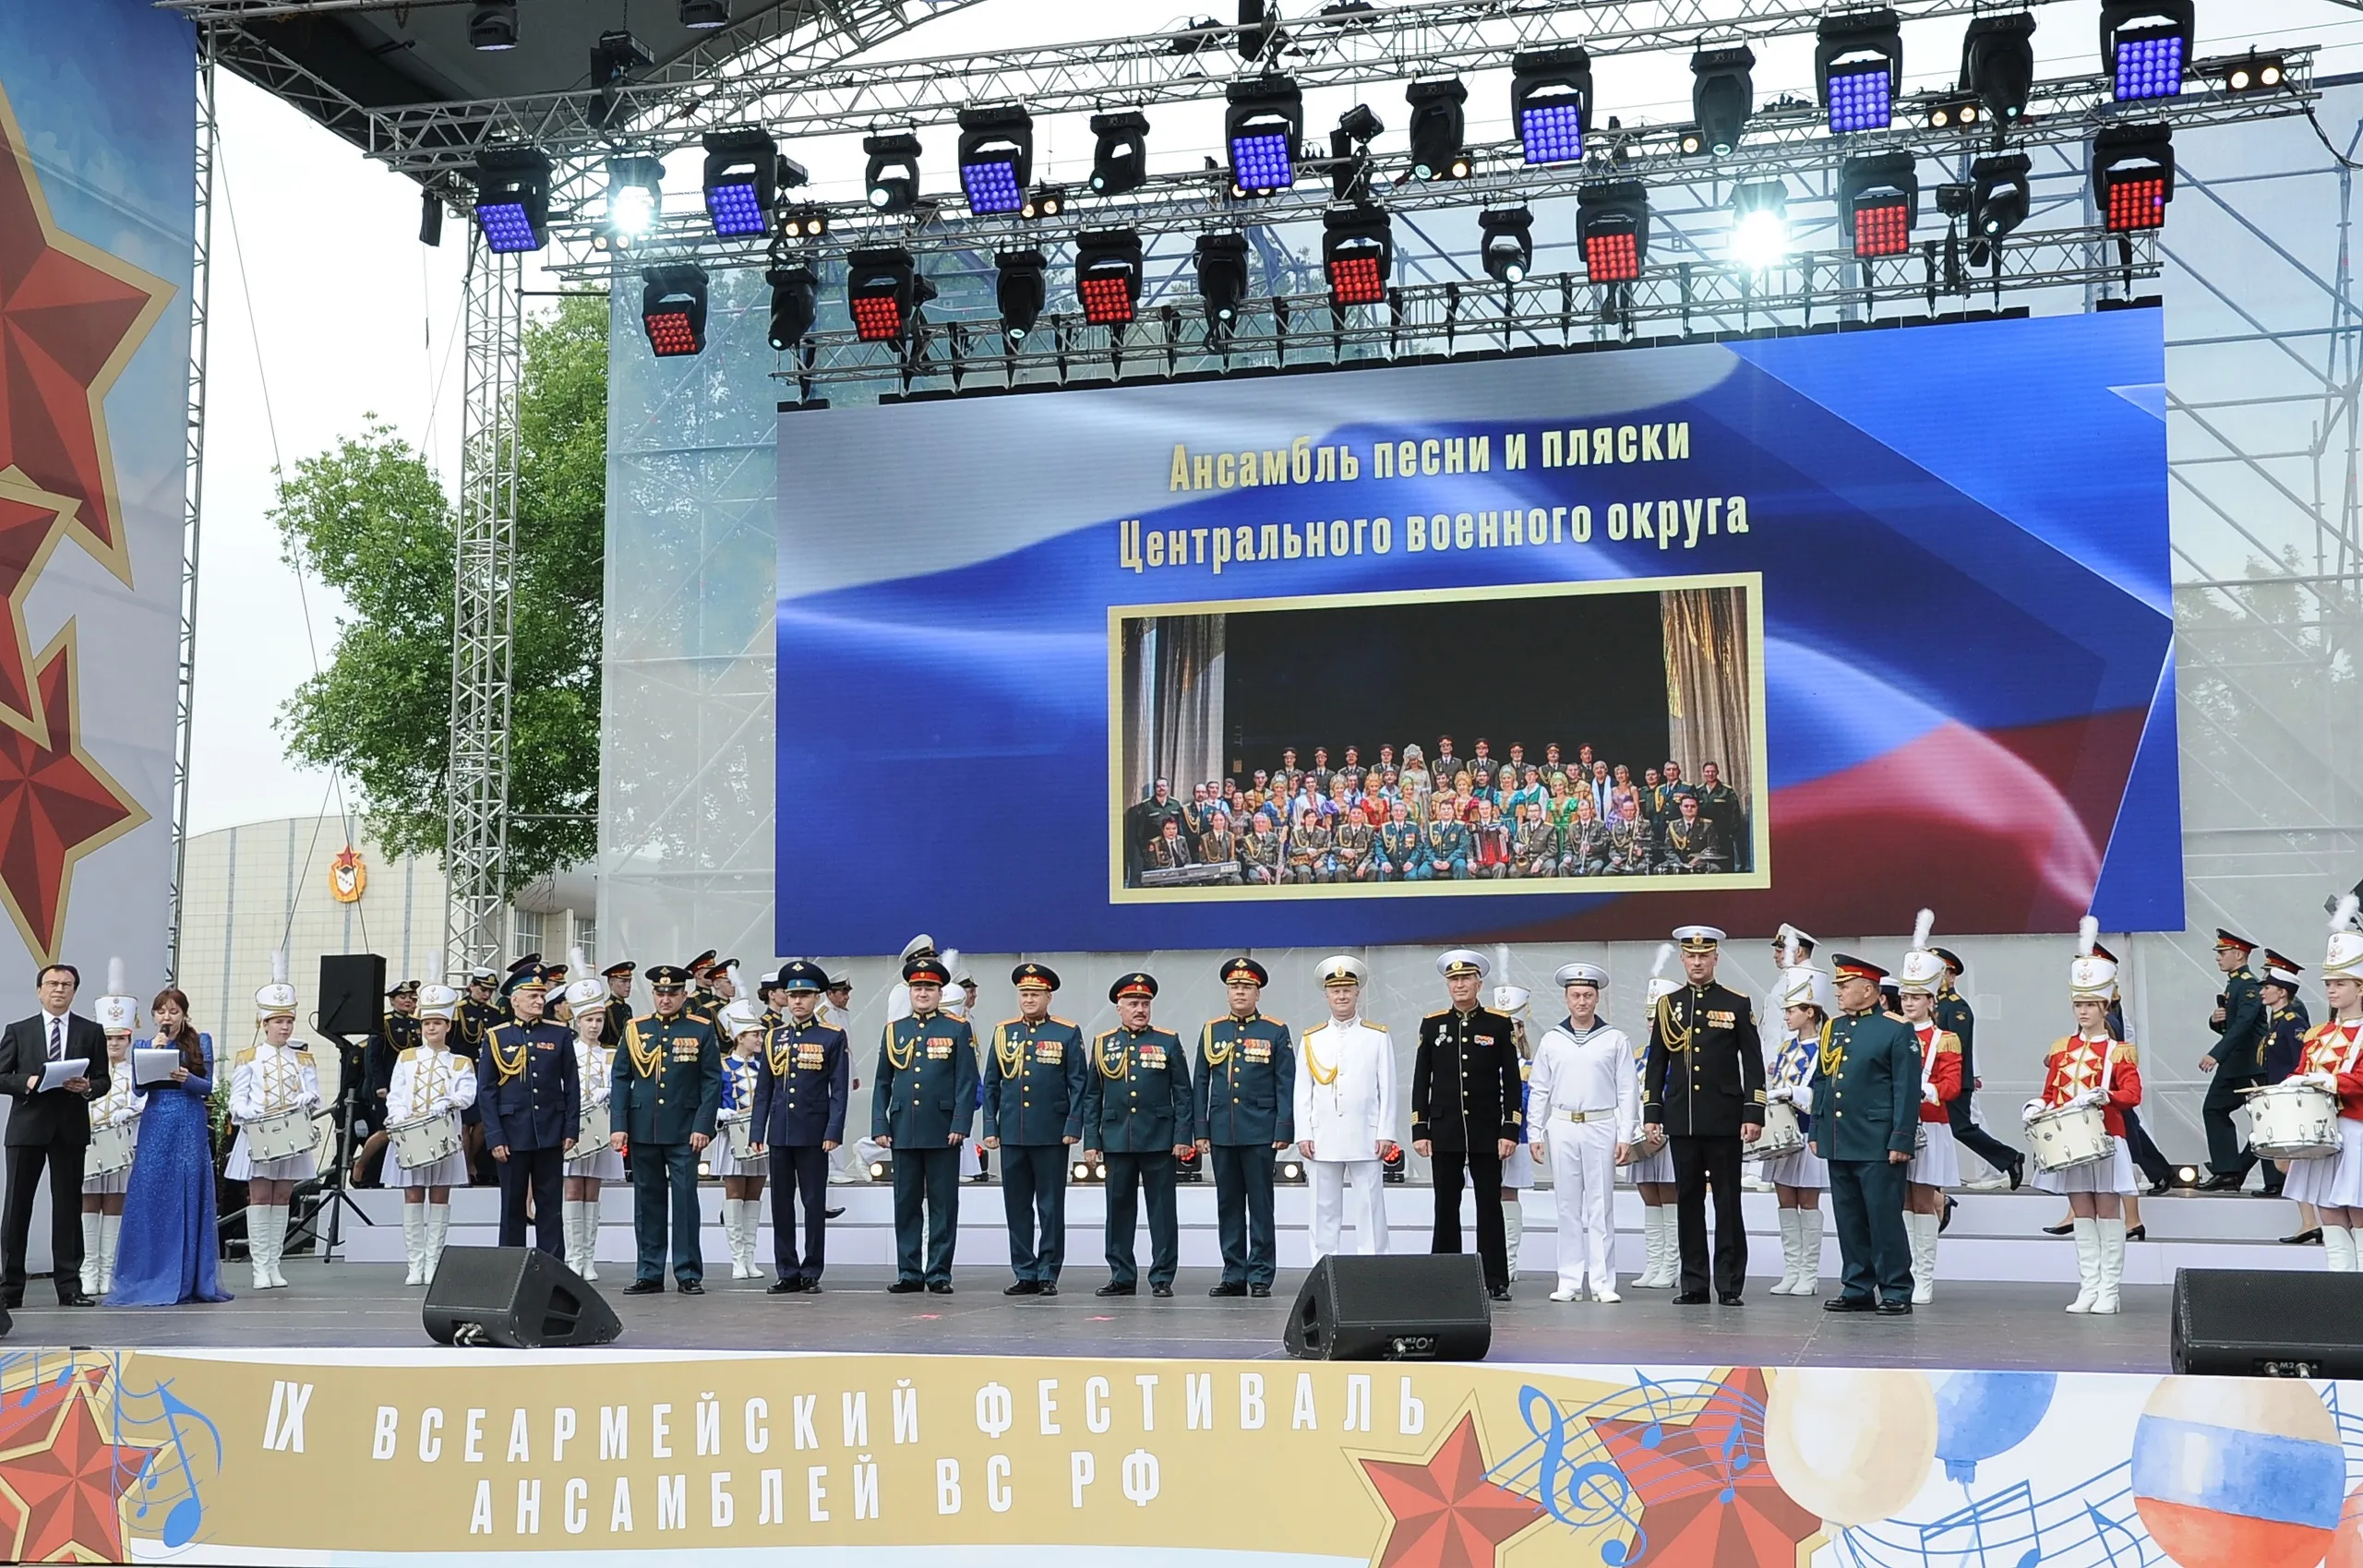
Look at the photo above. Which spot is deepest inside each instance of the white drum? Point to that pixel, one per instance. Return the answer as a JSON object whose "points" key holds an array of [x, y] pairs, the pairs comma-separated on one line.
{"points": [[112, 1148], [591, 1134], [1782, 1134], [280, 1136], [1643, 1148], [741, 1131], [2067, 1137], [424, 1141], [2294, 1121]]}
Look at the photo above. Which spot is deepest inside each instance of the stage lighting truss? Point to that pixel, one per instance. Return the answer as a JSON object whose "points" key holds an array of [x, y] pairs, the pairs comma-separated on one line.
{"points": [[1997, 63], [1021, 288], [1108, 275], [1439, 130], [1221, 262], [635, 197], [882, 292], [891, 176], [1120, 152], [1263, 124], [1357, 253], [2253, 72], [807, 221], [1044, 201], [2133, 176], [1613, 222], [1505, 244], [1760, 234], [1550, 105], [1723, 96], [1880, 198], [1998, 194], [995, 158], [1858, 64], [2146, 47], [513, 198], [671, 309], [796, 293], [741, 180], [1948, 111]]}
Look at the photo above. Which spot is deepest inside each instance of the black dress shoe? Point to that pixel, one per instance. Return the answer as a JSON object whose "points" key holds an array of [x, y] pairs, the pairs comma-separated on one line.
{"points": [[832, 1214], [1112, 1289], [2159, 1188], [77, 1298], [1734, 1299], [2304, 1239], [1895, 1309], [1023, 1287], [645, 1287], [904, 1287], [1259, 1290], [1850, 1304], [2222, 1184], [939, 1287], [785, 1288], [1049, 1289], [1691, 1299], [2017, 1172], [812, 1288], [2062, 1228], [1160, 1289], [1228, 1288], [1499, 1292], [692, 1287]]}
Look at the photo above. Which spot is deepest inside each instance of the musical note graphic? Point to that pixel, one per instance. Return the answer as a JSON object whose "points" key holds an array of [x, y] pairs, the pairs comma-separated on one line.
{"points": [[169, 1479]]}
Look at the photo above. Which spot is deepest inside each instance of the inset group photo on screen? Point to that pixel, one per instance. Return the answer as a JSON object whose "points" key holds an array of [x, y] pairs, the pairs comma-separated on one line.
{"points": [[1544, 737]]}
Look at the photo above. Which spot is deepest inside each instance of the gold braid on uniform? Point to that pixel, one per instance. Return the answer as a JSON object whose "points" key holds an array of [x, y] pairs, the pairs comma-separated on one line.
{"points": [[1676, 1036], [1830, 1060], [1313, 1065], [783, 1057], [645, 1060], [1124, 1059], [511, 1066], [1009, 1053], [1218, 1051], [902, 1062]]}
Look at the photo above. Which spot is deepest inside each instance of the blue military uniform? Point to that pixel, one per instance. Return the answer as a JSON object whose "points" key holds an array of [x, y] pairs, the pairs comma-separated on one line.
{"points": [[529, 1094], [2238, 1053], [1034, 1089], [1137, 1110], [667, 1086], [2285, 1044], [800, 1093], [1867, 1106], [922, 1108], [1243, 1100]]}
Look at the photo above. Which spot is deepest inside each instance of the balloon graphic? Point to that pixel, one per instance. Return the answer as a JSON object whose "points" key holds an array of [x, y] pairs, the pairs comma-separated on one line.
{"points": [[1852, 1444], [2238, 1472], [2346, 1547], [1982, 1414]]}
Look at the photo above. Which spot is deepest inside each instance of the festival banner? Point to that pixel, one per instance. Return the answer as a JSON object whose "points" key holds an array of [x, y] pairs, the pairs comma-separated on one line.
{"points": [[380, 1457], [1447, 646]]}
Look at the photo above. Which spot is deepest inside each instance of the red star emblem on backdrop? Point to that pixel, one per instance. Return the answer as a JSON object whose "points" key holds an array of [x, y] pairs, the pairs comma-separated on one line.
{"points": [[61, 1481], [31, 521], [1708, 1500], [1445, 1513], [56, 804], [71, 316]]}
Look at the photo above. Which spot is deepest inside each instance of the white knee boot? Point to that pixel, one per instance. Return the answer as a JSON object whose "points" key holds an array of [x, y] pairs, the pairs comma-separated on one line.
{"points": [[742, 1239], [2088, 1263], [1513, 1231], [110, 1235], [1810, 1244], [90, 1253], [573, 1212], [266, 1234], [1663, 1259], [1923, 1257], [2112, 1240], [439, 1225], [2340, 1244], [590, 1269], [415, 1242], [1791, 1248]]}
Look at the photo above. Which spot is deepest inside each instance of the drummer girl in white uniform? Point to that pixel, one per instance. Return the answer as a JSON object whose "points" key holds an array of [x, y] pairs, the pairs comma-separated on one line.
{"points": [[2090, 1069], [1936, 1165], [428, 1080], [2333, 1060], [1804, 996], [742, 1179], [269, 1078], [1517, 1175], [102, 1195], [1653, 1168], [593, 1161]]}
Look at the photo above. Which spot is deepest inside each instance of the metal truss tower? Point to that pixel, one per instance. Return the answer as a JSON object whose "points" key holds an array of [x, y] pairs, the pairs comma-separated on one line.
{"points": [[192, 490]]}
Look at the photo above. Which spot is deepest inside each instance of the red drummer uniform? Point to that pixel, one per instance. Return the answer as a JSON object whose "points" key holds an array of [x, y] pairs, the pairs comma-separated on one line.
{"points": [[2332, 1049], [2075, 1065], [1940, 1066]]}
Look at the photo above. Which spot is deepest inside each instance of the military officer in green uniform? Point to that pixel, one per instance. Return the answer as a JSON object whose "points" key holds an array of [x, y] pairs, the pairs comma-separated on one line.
{"points": [[1444, 856], [2236, 1062], [1137, 1110], [1398, 844], [1865, 1124], [1034, 1085], [665, 1090], [1243, 1097], [1705, 1093], [921, 1108]]}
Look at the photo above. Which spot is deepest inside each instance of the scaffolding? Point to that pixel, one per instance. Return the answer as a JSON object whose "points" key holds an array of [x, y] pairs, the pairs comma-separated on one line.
{"points": [[192, 491]]}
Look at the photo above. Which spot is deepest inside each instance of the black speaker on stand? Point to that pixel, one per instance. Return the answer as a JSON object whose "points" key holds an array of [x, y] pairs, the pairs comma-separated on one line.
{"points": [[352, 1005], [1393, 1307], [517, 1297]]}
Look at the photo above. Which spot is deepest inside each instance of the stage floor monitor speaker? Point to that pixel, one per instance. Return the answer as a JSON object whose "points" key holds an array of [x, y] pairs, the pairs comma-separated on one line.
{"points": [[2267, 1323], [1404, 1307], [518, 1297], [353, 993]]}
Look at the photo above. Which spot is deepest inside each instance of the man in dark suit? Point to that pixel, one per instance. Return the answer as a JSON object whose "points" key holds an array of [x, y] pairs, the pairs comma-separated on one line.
{"points": [[52, 1129], [1466, 1116], [1706, 1093]]}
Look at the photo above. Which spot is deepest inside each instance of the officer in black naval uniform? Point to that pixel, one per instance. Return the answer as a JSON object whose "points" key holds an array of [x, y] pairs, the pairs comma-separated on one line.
{"points": [[1466, 1098], [2286, 1023], [1865, 1124], [532, 1097], [1243, 1095], [619, 977], [1705, 1092], [702, 1003], [2236, 1062], [923, 1105], [1034, 1085], [1953, 1016], [666, 1090], [397, 1032], [1137, 1108], [801, 1086]]}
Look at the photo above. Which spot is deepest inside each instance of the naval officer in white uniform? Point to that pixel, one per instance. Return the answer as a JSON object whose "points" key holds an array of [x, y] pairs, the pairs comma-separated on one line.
{"points": [[1584, 1113], [1345, 1112]]}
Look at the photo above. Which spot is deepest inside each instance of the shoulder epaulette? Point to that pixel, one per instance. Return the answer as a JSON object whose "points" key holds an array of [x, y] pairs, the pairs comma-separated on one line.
{"points": [[1437, 1013], [1068, 1021], [303, 1051], [1276, 1023], [1947, 1041], [408, 1053], [1368, 1024], [243, 1056], [2124, 1050], [1007, 1022]]}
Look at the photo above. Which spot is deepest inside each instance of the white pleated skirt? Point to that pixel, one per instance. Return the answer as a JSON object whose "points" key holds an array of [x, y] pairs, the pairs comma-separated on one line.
{"points": [[242, 1167], [1937, 1163], [451, 1170], [107, 1186], [720, 1161], [1654, 1168], [1519, 1170], [1798, 1167], [2331, 1182], [604, 1165], [2112, 1174]]}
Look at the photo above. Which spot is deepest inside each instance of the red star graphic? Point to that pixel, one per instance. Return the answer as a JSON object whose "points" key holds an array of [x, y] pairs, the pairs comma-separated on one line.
{"points": [[56, 804], [61, 1483], [71, 316], [1446, 1514], [1708, 1497], [31, 521]]}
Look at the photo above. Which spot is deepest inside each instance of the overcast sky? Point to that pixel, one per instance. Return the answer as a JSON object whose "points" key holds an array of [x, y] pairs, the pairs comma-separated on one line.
{"points": [[351, 317]]}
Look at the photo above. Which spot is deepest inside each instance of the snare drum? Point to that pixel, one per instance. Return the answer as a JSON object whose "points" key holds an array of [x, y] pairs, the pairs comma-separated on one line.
{"points": [[740, 1131], [425, 1141], [1781, 1135], [2294, 1121], [281, 1135], [591, 1134], [2067, 1137], [112, 1148], [1640, 1149]]}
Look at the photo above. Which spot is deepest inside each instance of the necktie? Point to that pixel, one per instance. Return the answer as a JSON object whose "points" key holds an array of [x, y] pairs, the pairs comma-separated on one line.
{"points": [[58, 1040]]}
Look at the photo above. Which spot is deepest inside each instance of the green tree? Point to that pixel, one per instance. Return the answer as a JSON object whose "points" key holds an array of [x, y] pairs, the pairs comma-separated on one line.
{"points": [[369, 519]]}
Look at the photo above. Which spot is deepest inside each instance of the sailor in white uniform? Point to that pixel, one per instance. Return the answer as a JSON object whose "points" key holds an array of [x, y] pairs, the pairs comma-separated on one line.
{"points": [[1345, 1112], [1584, 1112]]}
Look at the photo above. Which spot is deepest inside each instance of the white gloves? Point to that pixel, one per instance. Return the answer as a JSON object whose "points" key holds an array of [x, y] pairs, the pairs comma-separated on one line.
{"points": [[2325, 1078], [2092, 1097], [438, 1108], [601, 1097], [121, 1115], [2032, 1109], [1929, 1095]]}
